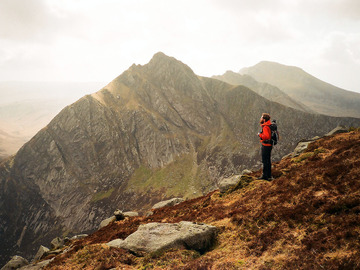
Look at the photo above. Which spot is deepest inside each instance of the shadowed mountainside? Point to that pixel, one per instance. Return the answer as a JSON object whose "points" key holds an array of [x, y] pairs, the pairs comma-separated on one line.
{"points": [[155, 132], [307, 218], [319, 96]]}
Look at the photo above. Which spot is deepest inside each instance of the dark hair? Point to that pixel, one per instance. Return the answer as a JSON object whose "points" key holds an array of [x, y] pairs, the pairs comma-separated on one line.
{"points": [[266, 116]]}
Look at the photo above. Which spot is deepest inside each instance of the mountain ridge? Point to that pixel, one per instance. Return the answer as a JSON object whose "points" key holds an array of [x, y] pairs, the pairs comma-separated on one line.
{"points": [[264, 89], [320, 96]]}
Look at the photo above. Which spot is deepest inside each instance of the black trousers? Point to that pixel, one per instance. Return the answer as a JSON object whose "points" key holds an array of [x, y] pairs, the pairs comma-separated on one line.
{"points": [[266, 160]]}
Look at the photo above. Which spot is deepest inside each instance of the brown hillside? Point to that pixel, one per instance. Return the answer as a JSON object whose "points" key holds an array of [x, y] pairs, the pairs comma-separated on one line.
{"points": [[307, 218]]}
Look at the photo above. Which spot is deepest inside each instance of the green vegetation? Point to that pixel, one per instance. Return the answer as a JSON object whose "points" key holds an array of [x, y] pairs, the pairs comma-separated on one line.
{"points": [[182, 178], [305, 156], [102, 195]]}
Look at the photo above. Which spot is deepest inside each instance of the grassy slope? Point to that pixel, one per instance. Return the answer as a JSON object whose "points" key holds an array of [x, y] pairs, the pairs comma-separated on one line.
{"points": [[307, 218]]}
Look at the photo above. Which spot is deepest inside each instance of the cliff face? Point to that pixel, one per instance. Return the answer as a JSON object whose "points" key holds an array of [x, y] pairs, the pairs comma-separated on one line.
{"points": [[154, 132]]}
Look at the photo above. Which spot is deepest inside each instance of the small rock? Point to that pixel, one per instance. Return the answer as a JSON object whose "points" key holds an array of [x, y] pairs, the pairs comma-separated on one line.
{"points": [[227, 183], [42, 252], [80, 236], [119, 215], [55, 252], [301, 147], [107, 221], [131, 214], [57, 243], [170, 202], [246, 171], [15, 263]]}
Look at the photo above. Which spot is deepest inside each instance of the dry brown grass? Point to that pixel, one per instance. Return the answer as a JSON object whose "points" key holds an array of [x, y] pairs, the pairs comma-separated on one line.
{"points": [[307, 218]]}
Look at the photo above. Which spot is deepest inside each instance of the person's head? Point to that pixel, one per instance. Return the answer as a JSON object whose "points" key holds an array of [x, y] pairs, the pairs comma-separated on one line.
{"points": [[264, 118]]}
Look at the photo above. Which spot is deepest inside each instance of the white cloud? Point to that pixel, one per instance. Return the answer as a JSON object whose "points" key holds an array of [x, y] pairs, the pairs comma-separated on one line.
{"points": [[87, 40]]}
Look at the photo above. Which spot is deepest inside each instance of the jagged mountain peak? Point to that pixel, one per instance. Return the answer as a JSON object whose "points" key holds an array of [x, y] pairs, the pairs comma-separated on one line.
{"points": [[161, 68], [167, 65]]}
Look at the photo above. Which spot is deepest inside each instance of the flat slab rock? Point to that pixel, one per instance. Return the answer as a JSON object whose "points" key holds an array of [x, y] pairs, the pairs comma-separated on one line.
{"points": [[153, 237], [171, 202]]}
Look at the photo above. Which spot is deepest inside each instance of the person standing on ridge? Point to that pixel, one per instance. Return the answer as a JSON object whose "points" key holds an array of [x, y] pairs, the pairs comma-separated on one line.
{"points": [[266, 146]]}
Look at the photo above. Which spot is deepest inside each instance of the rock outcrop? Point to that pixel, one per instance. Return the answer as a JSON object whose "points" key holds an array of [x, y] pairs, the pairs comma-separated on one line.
{"points": [[229, 182], [171, 202], [57, 243], [15, 263], [107, 221], [42, 251], [155, 237]]}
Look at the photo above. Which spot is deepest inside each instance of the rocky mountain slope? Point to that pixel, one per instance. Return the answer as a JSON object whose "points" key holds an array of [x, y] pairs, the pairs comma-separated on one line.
{"points": [[263, 89], [319, 96], [157, 131], [306, 218]]}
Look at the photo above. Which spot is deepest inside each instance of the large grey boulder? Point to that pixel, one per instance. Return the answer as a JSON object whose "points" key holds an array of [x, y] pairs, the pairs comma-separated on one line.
{"points": [[170, 202], [153, 237], [15, 263], [227, 183]]}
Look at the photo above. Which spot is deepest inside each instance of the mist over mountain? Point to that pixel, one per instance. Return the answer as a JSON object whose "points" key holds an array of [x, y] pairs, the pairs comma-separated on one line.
{"points": [[155, 132], [266, 90], [27, 107], [319, 96]]}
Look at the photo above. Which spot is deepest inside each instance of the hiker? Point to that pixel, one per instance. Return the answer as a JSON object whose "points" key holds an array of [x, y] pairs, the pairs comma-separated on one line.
{"points": [[266, 146]]}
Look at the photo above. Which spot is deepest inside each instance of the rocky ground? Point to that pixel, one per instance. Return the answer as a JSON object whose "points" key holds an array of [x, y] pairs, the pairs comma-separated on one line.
{"points": [[306, 218]]}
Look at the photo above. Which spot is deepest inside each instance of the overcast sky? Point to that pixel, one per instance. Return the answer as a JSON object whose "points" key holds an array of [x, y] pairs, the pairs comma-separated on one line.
{"points": [[96, 40]]}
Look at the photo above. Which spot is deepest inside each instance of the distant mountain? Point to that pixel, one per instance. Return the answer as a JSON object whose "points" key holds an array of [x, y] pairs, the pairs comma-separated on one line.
{"points": [[155, 132], [319, 96], [264, 89], [9, 144], [27, 107]]}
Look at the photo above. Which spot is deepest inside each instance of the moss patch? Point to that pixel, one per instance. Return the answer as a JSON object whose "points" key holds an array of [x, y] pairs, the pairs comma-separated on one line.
{"points": [[102, 195], [181, 178]]}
